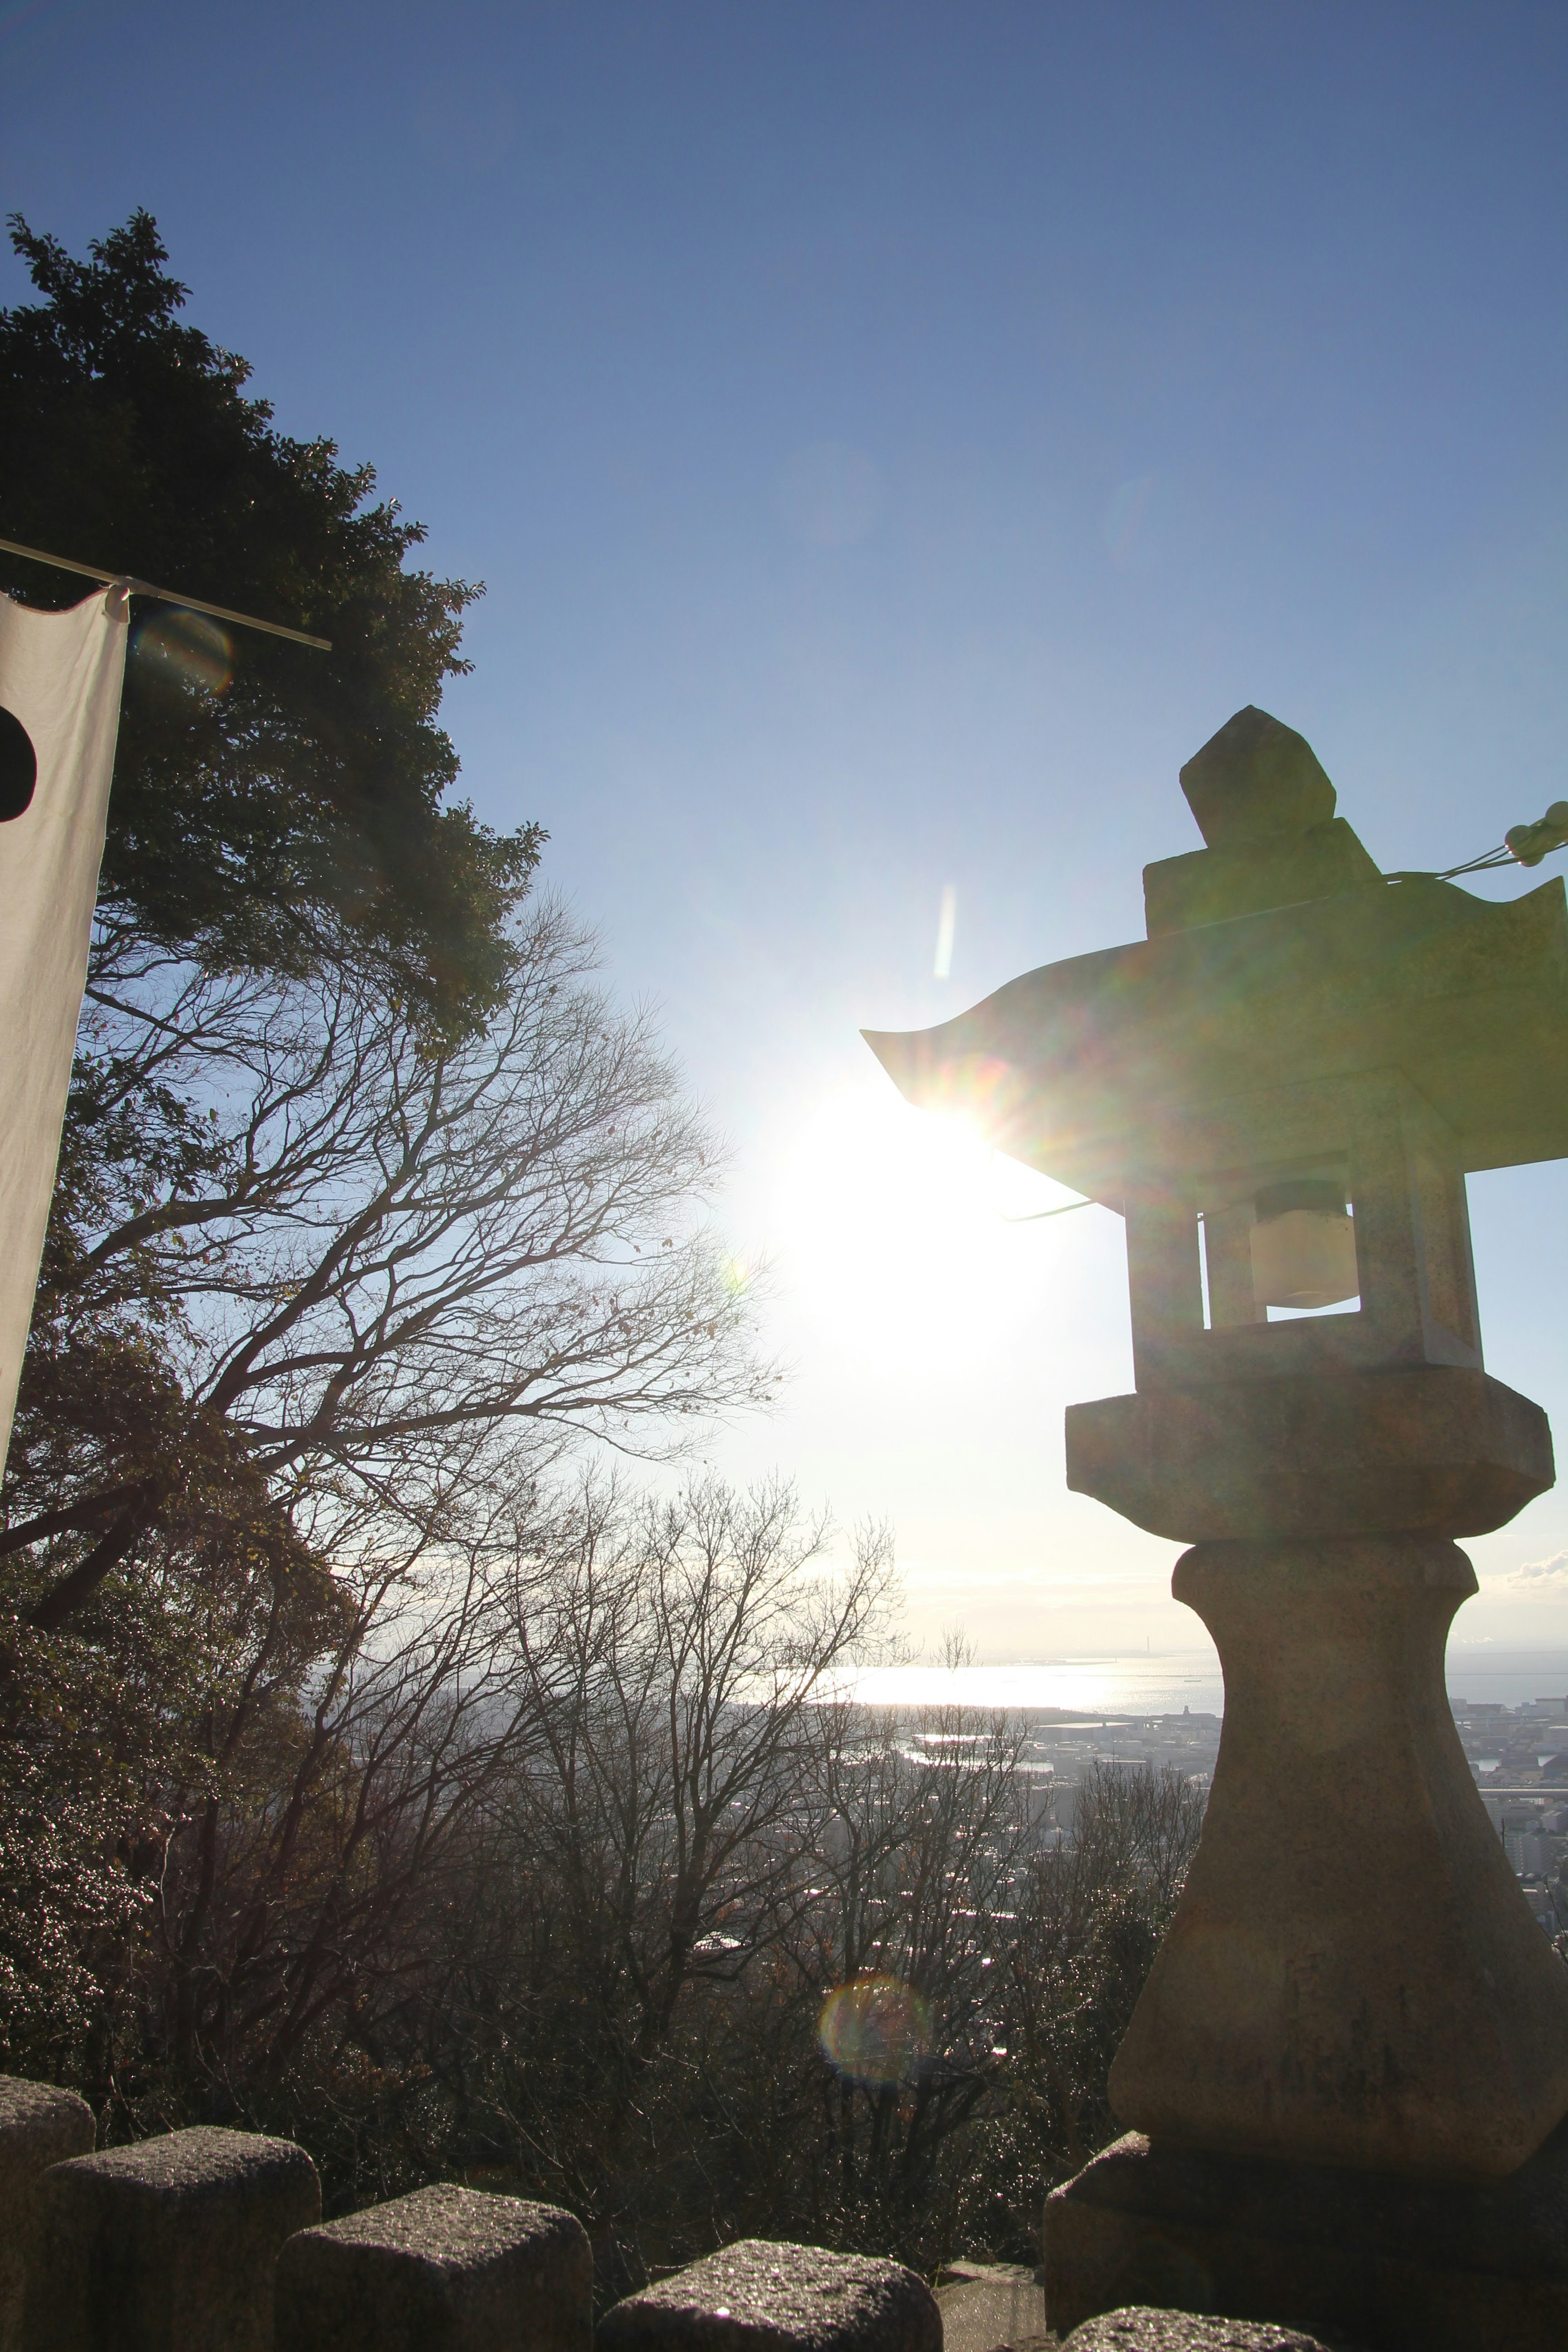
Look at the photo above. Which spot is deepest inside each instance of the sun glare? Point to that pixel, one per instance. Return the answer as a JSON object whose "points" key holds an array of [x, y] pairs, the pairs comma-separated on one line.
{"points": [[893, 1221]]}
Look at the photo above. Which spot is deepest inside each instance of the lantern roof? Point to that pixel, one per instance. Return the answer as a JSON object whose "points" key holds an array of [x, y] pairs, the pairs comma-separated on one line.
{"points": [[1278, 955]]}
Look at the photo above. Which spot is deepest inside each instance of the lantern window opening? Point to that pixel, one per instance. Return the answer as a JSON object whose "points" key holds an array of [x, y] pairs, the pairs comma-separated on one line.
{"points": [[1277, 1245]]}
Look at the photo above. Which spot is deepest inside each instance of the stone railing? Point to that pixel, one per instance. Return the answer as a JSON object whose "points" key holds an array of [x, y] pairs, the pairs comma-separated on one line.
{"points": [[211, 2240]]}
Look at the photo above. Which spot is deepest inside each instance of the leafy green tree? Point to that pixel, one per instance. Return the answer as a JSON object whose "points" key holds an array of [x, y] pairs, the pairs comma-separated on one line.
{"points": [[276, 811], [312, 791]]}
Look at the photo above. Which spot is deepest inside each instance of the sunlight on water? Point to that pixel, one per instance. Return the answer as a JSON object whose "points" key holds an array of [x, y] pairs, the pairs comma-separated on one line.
{"points": [[1153, 1685], [1156, 1684], [876, 2030]]}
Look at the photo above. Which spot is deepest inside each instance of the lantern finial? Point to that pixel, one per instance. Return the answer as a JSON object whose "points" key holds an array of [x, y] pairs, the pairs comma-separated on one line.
{"points": [[1255, 777]]}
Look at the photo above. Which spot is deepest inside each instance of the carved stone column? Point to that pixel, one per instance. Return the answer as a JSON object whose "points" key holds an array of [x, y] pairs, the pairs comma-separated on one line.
{"points": [[1347, 2072], [1352, 1976]]}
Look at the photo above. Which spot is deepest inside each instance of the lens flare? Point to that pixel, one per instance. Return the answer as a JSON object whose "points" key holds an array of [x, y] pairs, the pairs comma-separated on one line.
{"points": [[946, 923], [876, 2031], [183, 652], [737, 1275]]}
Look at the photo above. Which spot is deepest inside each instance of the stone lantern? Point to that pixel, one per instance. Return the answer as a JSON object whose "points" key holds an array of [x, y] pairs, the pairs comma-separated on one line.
{"points": [[1281, 1090]]}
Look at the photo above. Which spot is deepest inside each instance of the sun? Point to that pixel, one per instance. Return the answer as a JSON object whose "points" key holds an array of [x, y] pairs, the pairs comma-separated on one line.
{"points": [[891, 1224]]}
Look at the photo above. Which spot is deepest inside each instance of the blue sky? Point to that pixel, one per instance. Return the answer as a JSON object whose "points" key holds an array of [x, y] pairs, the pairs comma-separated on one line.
{"points": [[894, 437]]}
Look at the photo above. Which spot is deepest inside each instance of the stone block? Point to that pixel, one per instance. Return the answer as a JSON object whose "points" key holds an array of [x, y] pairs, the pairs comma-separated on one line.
{"points": [[1255, 780], [445, 2270], [985, 2304], [1405, 2265], [757, 2296], [1214, 886], [1144, 2329], [168, 2246], [38, 2126]]}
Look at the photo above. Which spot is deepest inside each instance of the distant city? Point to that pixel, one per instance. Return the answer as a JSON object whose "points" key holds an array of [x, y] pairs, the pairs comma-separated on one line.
{"points": [[1063, 1745], [1519, 1756]]}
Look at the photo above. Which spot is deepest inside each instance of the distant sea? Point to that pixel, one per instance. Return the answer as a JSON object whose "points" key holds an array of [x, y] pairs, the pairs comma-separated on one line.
{"points": [[1164, 1685]]}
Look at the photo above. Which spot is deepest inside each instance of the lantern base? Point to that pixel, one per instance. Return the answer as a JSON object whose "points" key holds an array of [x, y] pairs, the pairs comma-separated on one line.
{"points": [[1352, 1976], [1408, 2266], [1433, 1450]]}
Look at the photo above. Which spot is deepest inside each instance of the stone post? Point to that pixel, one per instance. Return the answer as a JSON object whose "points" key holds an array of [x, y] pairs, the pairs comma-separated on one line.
{"points": [[38, 2126], [1152, 2330], [445, 2270], [167, 2246], [757, 2296]]}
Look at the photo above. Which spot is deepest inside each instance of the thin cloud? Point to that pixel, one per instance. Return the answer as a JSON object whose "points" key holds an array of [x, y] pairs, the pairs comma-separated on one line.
{"points": [[1540, 1578]]}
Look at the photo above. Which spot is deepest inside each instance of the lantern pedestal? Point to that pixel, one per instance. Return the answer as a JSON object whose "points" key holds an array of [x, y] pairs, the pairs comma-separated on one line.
{"points": [[1348, 2068], [1352, 1976]]}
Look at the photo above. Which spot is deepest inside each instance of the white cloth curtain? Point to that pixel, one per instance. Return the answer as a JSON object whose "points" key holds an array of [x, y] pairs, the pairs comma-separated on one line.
{"points": [[60, 676]]}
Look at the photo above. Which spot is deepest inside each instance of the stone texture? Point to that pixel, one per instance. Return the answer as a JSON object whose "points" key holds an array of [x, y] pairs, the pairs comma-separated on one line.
{"points": [[1254, 779], [760, 2297], [168, 2246], [1215, 885], [1405, 2266], [38, 2126], [1143, 2329], [1437, 1450], [1080, 1068], [984, 2305], [446, 2269], [1399, 1162], [1352, 1976]]}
